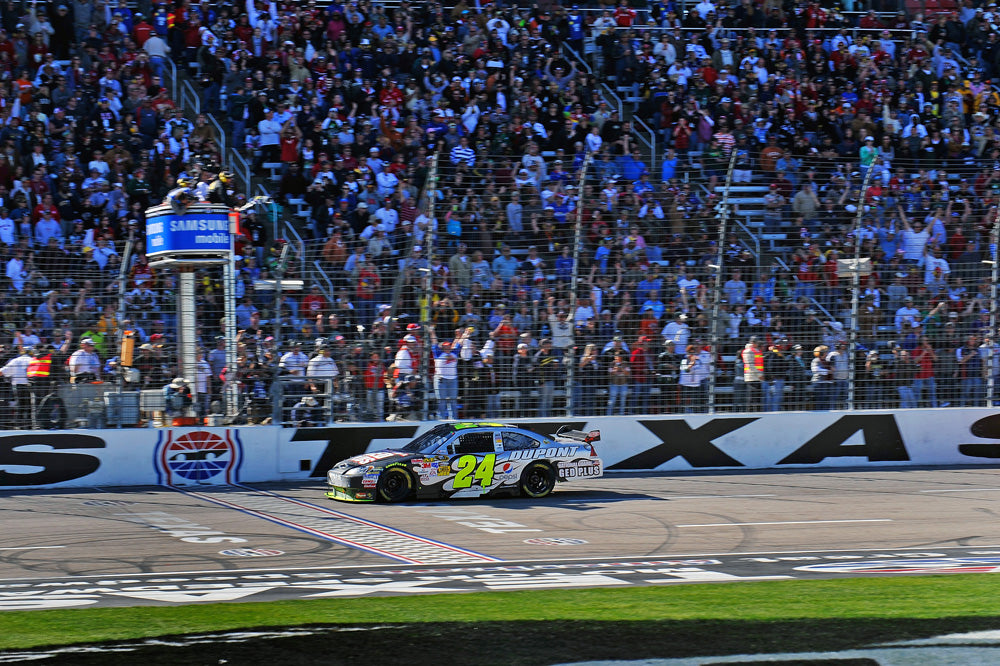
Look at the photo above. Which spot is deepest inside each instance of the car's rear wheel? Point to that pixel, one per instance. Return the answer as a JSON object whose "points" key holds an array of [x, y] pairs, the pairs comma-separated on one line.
{"points": [[537, 480], [395, 485]]}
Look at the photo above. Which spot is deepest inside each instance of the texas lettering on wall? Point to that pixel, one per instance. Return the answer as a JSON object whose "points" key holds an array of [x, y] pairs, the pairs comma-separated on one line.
{"points": [[152, 456]]}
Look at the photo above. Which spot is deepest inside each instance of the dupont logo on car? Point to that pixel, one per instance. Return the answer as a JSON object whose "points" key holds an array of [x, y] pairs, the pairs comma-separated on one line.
{"points": [[551, 452]]}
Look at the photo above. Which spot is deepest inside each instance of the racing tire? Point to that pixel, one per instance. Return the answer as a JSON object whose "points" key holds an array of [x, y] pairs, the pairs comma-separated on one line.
{"points": [[394, 485], [537, 480]]}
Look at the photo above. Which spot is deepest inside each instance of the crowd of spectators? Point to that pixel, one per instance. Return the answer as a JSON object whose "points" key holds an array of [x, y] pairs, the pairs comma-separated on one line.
{"points": [[442, 156]]}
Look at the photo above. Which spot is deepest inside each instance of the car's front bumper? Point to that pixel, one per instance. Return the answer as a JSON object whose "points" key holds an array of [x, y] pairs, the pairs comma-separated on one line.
{"points": [[351, 494], [353, 488]]}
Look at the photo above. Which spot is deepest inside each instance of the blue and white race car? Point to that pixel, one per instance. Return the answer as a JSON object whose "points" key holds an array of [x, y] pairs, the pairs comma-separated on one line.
{"points": [[468, 460]]}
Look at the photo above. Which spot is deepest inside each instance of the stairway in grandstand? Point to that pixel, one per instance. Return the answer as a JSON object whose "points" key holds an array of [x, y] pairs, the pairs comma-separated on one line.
{"points": [[747, 201]]}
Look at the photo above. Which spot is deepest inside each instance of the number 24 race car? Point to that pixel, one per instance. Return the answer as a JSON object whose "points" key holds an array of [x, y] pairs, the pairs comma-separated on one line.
{"points": [[468, 460]]}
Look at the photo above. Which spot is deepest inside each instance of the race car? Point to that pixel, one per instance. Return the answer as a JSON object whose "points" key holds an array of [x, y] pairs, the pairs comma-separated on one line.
{"points": [[468, 460]]}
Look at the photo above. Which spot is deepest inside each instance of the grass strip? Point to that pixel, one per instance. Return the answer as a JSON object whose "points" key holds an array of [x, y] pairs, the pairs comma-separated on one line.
{"points": [[911, 597]]}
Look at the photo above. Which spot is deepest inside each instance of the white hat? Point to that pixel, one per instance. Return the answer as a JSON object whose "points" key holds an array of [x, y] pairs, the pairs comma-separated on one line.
{"points": [[178, 382], [409, 338], [309, 400]]}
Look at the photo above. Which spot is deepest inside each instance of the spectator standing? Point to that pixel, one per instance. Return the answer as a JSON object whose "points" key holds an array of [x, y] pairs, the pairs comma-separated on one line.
{"points": [[970, 372], [619, 379], [446, 360], [523, 377], [839, 363], [84, 363], [904, 372], [752, 359], [776, 374], [548, 369], [16, 372], [694, 374], [925, 357], [642, 365], [822, 380]]}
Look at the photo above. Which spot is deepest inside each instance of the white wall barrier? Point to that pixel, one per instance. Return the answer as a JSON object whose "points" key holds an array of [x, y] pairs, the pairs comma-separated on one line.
{"points": [[184, 456]]}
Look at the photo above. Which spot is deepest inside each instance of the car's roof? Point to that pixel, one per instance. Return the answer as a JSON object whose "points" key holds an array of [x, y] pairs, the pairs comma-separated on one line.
{"points": [[465, 425]]}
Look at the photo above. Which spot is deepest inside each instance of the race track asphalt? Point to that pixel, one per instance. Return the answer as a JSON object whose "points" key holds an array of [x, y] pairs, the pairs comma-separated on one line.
{"points": [[162, 545]]}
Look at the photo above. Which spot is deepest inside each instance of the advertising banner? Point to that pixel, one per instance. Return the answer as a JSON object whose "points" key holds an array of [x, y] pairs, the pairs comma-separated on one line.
{"points": [[191, 233], [665, 443]]}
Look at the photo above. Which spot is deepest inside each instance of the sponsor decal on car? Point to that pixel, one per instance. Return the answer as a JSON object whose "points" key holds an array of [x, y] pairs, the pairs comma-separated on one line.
{"points": [[370, 480], [581, 468], [548, 452]]}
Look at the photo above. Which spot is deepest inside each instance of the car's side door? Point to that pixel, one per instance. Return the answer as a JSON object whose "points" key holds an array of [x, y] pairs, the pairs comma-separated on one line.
{"points": [[474, 459]]}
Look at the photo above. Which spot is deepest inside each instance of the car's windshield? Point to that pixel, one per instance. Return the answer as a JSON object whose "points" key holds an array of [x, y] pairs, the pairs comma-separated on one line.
{"points": [[430, 440]]}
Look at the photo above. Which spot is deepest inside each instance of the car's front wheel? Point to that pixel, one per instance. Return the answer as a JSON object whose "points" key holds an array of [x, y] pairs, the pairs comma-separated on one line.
{"points": [[395, 485], [537, 480]]}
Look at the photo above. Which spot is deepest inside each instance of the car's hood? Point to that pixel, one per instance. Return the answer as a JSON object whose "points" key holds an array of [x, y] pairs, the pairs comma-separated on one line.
{"points": [[376, 459]]}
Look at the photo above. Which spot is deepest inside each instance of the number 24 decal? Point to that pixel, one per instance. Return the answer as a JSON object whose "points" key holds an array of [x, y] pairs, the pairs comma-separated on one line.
{"points": [[469, 470]]}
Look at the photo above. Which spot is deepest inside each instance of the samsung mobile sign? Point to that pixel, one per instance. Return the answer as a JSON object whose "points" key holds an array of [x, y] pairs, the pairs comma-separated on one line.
{"points": [[188, 234]]}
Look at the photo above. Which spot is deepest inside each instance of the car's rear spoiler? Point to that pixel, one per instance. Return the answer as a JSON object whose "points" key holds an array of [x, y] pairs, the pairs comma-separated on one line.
{"points": [[579, 435]]}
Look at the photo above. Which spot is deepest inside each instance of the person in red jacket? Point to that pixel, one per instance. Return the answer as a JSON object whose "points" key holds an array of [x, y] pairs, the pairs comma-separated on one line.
{"points": [[641, 361]]}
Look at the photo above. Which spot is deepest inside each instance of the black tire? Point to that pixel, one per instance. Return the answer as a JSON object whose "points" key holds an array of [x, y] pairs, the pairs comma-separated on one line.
{"points": [[395, 485], [537, 480]]}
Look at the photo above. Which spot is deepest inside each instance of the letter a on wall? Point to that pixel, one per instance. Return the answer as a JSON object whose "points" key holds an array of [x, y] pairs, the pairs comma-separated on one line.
{"points": [[882, 441]]}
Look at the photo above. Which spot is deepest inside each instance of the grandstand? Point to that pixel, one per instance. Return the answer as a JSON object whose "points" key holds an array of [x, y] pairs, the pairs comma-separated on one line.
{"points": [[509, 211]]}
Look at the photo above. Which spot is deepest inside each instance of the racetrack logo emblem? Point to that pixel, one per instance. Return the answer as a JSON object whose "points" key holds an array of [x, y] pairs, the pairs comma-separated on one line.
{"points": [[199, 457]]}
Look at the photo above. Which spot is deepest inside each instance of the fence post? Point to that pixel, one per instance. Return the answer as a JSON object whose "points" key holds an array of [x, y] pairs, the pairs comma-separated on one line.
{"points": [[717, 291], [994, 276], [573, 352], [852, 347], [430, 190]]}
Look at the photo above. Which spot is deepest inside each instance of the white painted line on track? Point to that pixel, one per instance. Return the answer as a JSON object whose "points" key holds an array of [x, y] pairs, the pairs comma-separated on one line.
{"points": [[30, 547], [794, 522], [668, 497], [713, 496], [961, 490]]}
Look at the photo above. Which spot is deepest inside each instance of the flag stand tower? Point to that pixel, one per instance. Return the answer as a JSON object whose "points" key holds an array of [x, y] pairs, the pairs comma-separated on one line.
{"points": [[188, 239]]}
